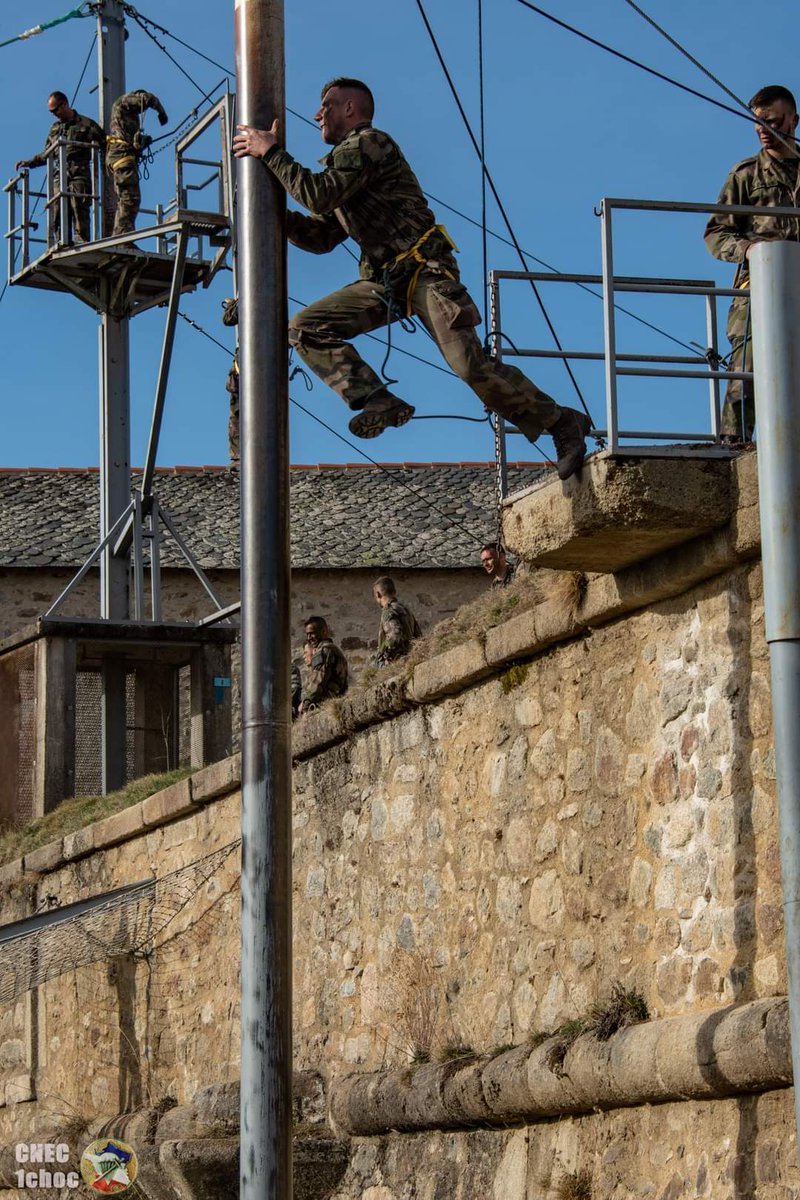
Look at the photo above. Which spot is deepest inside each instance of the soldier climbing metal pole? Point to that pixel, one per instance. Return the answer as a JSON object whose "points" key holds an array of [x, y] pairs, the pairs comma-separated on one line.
{"points": [[266, 1018]]}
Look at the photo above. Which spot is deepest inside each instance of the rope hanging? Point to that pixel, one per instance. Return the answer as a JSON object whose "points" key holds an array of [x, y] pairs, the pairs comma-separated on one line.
{"points": [[75, 13]]}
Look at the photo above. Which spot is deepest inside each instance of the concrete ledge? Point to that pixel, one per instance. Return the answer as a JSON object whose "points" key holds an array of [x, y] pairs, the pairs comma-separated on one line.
{"points": [[727, 1052], [175, 801], [119, 827], [450, 672], [79, 843], [45, 858], [11, 873], [619, 512], [317, 731], [387, 698], [217, 779]]}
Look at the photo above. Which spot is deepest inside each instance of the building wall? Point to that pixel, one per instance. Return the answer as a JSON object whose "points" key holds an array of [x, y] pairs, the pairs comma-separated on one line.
{"points": [[343, 597]]}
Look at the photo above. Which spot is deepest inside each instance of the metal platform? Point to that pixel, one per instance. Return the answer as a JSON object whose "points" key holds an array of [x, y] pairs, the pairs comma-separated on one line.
{"points": [[116, 274]]}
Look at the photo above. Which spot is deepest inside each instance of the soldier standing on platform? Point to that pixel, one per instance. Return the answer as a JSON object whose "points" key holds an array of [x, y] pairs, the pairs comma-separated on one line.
{"points": [[124, 147], [81, 133], [770, 179]]}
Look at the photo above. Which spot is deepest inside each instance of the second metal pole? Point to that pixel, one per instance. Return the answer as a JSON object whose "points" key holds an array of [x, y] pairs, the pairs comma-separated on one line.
{"points": [[266, 1010], [775, 270]]}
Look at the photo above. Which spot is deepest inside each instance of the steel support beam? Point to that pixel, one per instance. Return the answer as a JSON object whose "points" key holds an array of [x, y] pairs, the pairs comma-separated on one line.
{"points": [[266, 1017]]}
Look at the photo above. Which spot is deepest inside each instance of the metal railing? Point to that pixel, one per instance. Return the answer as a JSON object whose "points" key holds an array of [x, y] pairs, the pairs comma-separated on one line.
{"points": [[705, 366], [33, 233]]}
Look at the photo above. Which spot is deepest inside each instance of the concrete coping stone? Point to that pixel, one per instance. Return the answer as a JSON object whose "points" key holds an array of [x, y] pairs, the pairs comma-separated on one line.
{"points": [[726, 1052]]}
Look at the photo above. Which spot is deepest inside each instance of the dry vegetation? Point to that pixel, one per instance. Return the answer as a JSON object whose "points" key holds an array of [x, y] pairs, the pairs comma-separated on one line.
{"points": [[80, 811], [562, 591]]}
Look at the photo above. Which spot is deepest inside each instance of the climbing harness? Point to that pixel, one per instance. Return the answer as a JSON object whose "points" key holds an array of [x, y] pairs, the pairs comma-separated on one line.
{"points": [[413, 254]]}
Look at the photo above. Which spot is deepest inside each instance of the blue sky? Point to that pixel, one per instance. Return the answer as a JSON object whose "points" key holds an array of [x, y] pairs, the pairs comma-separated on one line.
{"points": [[566, 124]]}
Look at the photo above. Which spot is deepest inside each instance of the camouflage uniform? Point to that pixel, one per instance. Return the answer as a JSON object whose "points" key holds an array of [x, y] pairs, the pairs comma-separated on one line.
{"points": [[327, 675], [297, 689], [399, 627], [81, 133], [230, 316], [124, 144], [766, 182], [511, 570], [368, 191]]}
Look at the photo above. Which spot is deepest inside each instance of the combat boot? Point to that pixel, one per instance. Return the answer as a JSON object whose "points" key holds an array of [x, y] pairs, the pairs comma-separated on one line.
{"points": [[569, 435], [380, 412]]}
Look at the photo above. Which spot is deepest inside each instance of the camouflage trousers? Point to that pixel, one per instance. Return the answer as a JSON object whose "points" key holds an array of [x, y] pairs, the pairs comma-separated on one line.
{"points": [[232, 388], [129, 198], [80, 199], [739, 410], [319, 334]]}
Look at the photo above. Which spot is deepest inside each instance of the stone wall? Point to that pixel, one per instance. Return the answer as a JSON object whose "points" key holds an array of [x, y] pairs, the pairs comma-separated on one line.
{"points": [[579, 800]]}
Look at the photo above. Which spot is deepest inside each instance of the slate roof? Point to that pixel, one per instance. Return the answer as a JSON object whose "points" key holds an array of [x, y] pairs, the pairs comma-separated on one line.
{"points": [[413, 515]]}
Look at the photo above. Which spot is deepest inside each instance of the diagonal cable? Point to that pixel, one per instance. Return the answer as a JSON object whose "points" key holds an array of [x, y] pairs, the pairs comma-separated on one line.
{"points": [[632, 61], [790, 143], [351, 445], [499, 202]]}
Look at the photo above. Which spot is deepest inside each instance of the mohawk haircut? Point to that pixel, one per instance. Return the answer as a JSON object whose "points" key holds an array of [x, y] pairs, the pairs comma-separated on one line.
{"points": [[356, 85], [771, 93]]}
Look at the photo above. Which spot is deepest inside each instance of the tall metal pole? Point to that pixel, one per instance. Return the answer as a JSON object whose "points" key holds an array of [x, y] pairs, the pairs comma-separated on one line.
{"points": [[775, 272], [266, 1017], [115, 466]]}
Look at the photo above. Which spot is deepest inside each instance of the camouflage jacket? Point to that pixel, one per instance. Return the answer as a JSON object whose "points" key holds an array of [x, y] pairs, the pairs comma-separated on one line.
{"points": [[81, 133], [327, 674], [511, 570], [765, 182], [123, 126], [398, 629], [367, 191]]}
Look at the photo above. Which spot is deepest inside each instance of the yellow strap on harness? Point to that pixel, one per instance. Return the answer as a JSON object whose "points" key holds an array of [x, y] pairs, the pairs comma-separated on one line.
{"points": [[413, 253]]}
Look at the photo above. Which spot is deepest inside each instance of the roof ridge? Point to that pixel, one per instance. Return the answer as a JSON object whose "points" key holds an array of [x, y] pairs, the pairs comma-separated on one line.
{"points": [[213, 468]]}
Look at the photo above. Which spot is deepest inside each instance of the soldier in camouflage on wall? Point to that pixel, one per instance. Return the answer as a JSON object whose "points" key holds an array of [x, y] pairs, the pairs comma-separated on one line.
{"points": [[368, 191], [399, 627], [230, 316], [81, 133], [770, 179], [496, 565], [124, 147], [327, 671]]}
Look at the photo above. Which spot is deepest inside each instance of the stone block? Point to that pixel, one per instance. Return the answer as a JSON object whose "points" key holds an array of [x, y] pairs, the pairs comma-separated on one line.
{"points": [[45, 858], [450, 672], [621, 511], [316, 731], [119, 827], [11, 873], [169, 804], [78, 843], [515, 638], [386, 698], [217, 779]]}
